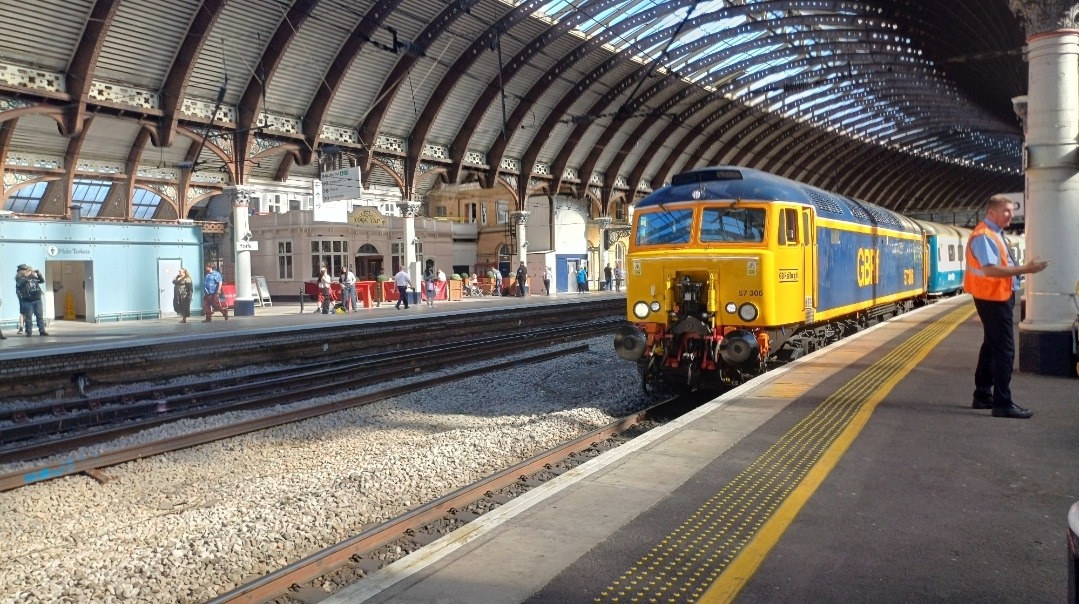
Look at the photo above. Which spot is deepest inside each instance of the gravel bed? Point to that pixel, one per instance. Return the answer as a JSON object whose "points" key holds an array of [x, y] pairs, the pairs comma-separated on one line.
{"points": [[186, 526]]}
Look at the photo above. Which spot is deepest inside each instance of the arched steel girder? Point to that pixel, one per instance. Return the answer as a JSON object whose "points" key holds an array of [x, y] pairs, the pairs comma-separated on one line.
{"points": [[828, 167], [174, 86], [869, 168], [594, 78], [927, 173], [332, 78], [906, 99], [620, 119], [633, 139], [732, 134], [913, 174], [807, 136], [636, 174], [7, 133], [892, 191], [465, 61], [885, 171], [680, 147], [370, 126], [185, 178], [459, 147], [84, 61], [737, 114], [707, 42], [496, 152], [131, 166], [71, 162], [248, 108], [916, 93]]}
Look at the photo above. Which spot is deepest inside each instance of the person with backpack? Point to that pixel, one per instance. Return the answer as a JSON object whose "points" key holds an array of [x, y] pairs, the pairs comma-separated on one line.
{"points": [[28, 287]]}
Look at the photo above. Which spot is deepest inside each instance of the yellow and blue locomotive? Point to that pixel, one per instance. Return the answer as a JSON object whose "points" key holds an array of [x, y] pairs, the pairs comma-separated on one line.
{"points": [[732, 270]]}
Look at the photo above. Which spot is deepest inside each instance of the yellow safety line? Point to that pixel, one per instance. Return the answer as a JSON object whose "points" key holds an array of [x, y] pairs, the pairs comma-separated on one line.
{"points": [[745, 565]]}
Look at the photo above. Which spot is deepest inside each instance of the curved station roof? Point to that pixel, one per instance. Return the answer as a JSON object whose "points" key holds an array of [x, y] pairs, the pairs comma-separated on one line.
{"points": [[904, 103]]}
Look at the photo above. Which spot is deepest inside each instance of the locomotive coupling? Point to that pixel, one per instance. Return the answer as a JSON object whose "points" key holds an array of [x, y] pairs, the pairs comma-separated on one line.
{"points": [[739, 348], [629, 342]]}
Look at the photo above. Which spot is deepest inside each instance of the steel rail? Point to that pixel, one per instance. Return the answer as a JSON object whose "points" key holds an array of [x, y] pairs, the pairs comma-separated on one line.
{"points": [[279, 582], [92, 463], [288, 384]]}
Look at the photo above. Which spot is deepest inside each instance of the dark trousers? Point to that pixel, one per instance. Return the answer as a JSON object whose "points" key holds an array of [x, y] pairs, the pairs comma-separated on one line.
{"points": [[997, 354], [547, 286], [31, 309], [402, 295]]}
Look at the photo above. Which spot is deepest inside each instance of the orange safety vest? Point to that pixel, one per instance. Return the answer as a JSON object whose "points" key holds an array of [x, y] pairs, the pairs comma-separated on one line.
{"points": [[975, 281]]}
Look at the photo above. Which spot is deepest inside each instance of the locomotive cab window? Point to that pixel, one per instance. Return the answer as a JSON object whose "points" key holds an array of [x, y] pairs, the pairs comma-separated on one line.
{"points": [[664, 227], [788, 226], [732, 224]]}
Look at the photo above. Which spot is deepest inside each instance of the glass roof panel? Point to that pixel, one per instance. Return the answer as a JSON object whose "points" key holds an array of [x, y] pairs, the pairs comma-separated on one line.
{"points": [[761, 56]]}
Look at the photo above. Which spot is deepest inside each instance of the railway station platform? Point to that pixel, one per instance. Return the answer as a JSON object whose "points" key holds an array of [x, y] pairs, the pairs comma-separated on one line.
{"points": [[66, 337], [858, 473]]}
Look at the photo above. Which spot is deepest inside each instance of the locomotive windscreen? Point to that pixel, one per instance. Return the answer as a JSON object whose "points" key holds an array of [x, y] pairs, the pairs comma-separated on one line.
{"points": [[698, 176]]}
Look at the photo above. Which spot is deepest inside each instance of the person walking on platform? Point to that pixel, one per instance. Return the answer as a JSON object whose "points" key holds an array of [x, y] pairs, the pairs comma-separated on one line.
{"points": [[582, 280], [211, 295], [522, 279], [403, 283], [498, 282], [608, 278], [28, 288], [992, 277], [181, 294], [548, 274], [348, 289]]}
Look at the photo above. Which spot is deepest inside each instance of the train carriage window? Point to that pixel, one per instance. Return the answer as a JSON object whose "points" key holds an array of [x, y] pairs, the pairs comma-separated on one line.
{"points": [[664, 228], [951, 253], [732, 224]]}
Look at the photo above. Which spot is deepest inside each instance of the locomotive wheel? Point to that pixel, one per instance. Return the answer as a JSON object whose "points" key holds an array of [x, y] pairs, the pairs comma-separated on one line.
{"points": [[650, 378]]}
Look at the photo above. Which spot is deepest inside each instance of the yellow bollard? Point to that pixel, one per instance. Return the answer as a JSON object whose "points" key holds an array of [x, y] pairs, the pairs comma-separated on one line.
{"points": [[69, 310]]}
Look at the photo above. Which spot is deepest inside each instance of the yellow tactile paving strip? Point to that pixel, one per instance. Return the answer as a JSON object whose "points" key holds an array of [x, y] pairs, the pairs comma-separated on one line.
{"points": [[689, 563]]}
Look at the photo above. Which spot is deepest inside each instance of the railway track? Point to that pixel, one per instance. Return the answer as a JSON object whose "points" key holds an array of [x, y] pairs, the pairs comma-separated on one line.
{"points": [[288, 386], [294, 582], [42, 375]]}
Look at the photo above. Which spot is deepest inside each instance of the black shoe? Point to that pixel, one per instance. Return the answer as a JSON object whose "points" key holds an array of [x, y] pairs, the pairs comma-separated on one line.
{"points": [[2, 337], [982, 403], [44, 333], [1013, 410], [28, 334]]}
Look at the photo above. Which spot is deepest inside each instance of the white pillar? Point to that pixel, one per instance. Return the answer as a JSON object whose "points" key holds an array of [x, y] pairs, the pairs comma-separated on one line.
{"points": [[1052, 195], [242, 244], [415, 271]]}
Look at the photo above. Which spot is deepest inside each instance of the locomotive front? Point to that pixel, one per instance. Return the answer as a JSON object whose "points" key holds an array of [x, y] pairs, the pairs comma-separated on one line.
{"points": [[714, 261]]}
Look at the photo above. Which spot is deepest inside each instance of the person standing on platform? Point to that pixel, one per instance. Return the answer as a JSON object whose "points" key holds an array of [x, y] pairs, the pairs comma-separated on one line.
{"points": [[608, 278], [582, 280], [498, 282], [348, 289], [28, 287], [548, 274], [211, 295], [522, 279], [992, 277], [430, 282], [324, 295], [403, 283], [181, 294]]}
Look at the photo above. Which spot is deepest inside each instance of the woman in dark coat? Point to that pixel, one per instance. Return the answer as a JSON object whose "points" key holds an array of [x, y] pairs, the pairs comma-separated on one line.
{"points": [[181, 294]]}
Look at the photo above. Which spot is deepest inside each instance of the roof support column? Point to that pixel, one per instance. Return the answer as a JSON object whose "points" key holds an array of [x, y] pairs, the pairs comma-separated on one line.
{"points": [[1051, 122]]}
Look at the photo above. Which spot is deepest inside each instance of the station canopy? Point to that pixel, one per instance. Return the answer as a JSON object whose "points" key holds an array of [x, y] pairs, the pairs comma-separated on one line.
{"points": [[904, 103]]}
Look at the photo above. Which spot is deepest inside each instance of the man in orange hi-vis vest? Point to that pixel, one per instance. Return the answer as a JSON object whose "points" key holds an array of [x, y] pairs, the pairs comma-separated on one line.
{"points": [[992, 277]]}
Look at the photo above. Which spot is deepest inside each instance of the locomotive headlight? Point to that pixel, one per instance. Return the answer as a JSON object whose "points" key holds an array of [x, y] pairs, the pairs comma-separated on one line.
{"points": [[747, 312], [640, 309], [730, 308], [655, 306]]}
